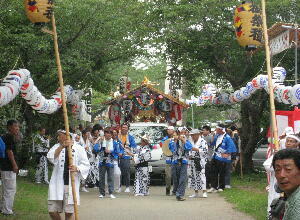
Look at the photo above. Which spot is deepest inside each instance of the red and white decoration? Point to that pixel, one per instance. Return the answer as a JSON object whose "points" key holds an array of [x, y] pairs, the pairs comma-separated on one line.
{"points": [[20, 81], [285, 94], [288, 119]]}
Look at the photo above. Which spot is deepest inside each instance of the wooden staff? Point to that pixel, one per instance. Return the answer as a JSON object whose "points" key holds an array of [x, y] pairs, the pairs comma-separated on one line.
{"points": [[65, 113], [269, 70]]}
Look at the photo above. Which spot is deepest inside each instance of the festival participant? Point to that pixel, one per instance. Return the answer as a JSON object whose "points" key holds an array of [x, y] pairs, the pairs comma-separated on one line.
{"points": [[180, 147], [206, 135], [224, 147], [287, 131], [168, 169], [60, 198], [286, 164], [228, 168], [41, 147], [141, 158], [128, 145], [291, 142], [198, 158], [95, 138], [108, 153], [93, 175], [9, 168], [117, 171]]}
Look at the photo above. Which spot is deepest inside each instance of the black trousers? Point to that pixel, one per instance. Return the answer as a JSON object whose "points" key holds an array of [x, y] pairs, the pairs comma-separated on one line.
{"points": [[208, 174], [218, 169]]}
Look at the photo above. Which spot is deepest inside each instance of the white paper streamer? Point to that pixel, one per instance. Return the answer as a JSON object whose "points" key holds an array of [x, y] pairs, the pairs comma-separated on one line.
{"points": [[285, 94], [20, 81]]}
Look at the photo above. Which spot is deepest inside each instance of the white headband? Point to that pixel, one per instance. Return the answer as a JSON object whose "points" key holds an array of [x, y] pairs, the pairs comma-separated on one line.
{"points": [[223, 129], [294, 137]]}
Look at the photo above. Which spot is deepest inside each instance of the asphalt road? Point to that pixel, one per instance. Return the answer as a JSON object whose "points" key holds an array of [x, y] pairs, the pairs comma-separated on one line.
{"points": [[156, 206]]}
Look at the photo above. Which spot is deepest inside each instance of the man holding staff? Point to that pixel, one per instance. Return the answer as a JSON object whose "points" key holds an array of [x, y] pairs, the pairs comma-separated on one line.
{"points": [[60, 198]]}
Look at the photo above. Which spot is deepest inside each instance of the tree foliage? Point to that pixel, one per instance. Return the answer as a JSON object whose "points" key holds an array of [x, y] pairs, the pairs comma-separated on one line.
{"points": [[199, 36]]}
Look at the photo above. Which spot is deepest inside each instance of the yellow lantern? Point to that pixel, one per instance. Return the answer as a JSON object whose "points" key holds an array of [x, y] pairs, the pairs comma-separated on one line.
{"points": [[248, 25], [39, 11]]}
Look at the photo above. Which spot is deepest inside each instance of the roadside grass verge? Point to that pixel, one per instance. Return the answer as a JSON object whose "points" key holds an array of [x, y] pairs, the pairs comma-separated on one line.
{"points": [[249, 195], [30, 201]]}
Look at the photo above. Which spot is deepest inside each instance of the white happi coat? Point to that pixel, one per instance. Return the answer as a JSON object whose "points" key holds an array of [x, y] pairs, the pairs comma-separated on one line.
{"points": [[56, 185], [270, 170]]}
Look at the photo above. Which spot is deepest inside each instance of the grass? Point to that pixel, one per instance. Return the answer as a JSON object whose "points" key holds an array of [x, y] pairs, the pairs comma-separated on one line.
{"points": [[30, 201], [249, 195]]}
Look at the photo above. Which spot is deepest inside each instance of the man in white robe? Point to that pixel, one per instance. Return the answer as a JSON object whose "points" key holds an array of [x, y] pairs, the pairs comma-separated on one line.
{"points": [[60, 198]]}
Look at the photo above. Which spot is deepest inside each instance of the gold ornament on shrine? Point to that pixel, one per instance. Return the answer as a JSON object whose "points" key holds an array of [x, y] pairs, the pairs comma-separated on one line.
{"points": [[248, 25], [39, 11]]}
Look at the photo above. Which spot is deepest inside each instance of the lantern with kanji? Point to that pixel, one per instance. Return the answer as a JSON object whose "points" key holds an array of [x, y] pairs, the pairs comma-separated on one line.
{"points": [[248, 25], [39, 11]]}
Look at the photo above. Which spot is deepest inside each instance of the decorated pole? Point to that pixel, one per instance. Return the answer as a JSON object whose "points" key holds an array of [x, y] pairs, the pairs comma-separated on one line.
{"points": [[269, 71], [65, 113], [41, 12]]}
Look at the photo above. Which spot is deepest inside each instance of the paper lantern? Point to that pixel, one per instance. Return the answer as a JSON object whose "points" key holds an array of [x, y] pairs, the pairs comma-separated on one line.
{"points": [[295, 92], [286, 95], [248, 25], [39, 11], [279, 74]]}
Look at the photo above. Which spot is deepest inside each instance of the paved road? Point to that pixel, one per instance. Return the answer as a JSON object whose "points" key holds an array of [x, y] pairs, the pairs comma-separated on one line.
{"points": [[156, 206]]}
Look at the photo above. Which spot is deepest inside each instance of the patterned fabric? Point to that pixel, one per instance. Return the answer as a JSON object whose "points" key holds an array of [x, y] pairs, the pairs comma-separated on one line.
{"points": [[107, 159], [93, 176], [180, 151], [42, 170], [40, 144], [41, 147], [141, 181], [142, 155], [197, 179], [196, 169], [142, 177]]}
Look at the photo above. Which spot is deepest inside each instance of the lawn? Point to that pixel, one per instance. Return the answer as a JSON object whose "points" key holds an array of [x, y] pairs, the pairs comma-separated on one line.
{"points": [[249, 195], [30, 202]]}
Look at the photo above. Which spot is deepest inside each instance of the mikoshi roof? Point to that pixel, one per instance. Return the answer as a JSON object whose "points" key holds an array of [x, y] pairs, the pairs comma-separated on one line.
{"points": [[146, 84]]}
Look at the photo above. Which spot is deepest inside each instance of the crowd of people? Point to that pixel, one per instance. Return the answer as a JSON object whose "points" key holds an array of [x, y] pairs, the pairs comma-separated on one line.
{"points": [[102, 157]]}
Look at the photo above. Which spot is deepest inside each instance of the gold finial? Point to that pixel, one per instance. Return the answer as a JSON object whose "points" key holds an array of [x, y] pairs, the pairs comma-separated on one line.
{"points": [[146, 80]]}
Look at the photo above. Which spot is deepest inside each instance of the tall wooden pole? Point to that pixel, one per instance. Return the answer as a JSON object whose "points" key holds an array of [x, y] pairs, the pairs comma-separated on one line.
{"points": [[269, 70], [65, 113]]}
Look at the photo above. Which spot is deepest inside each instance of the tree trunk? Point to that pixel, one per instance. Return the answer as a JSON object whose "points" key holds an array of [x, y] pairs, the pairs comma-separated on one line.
{"points": [[251, 114]]}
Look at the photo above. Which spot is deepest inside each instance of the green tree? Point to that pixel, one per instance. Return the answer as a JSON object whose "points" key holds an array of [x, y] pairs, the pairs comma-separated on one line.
{"points": [[199, 36]]}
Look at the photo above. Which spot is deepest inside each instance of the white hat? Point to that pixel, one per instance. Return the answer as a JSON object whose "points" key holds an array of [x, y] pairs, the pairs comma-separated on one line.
{"points": [[288, 130], [195, 131], [294, 137], [146, 138], [61, 131], [181, 129], [171, 128]]}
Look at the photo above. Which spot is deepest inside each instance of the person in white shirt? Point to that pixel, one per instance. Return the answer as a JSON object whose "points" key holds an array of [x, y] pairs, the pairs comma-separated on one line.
{"points": [[60, 198]]}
